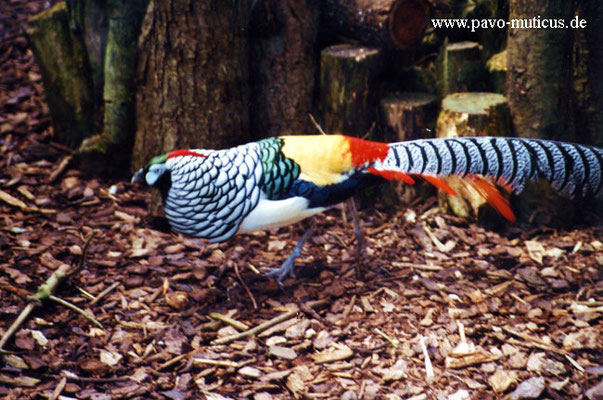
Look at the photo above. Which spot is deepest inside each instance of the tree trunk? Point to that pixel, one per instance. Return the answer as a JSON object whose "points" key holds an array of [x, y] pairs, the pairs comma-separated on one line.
{"points": [[539, 71], [90, 20], [61, 56], [119, 90], [193, 77], [540, 93], [588, 56], [283, 66]]}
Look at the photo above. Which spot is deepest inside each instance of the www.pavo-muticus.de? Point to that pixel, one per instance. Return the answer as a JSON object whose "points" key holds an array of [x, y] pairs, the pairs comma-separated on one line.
{"points": [[215, 194]]}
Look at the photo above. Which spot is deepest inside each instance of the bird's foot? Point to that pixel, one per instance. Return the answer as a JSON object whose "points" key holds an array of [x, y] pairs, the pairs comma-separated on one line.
{"points": [[287, 268], [283, 271]]}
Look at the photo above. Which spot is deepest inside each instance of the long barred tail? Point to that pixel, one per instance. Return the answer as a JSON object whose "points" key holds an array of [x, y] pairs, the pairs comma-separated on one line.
{"points": [[571, 168]]}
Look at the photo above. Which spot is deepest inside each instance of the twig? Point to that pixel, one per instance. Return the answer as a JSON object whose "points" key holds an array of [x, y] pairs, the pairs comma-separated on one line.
{"points": [[15, 326], [261, 327], [104, 293], [230, 321], [534, 341], [317, 125], [255, 305], [59, 170], [44, 292], [76, 309], [385, 336], [265, 325], [173, 361], [426, 267], [218, 363]]}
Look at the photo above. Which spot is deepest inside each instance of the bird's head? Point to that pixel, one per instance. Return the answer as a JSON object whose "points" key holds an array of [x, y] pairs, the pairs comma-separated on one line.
{"points": [[155, 173]]}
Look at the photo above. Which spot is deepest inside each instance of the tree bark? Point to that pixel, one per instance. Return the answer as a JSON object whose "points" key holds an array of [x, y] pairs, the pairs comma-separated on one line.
{"points": [[63, 63], [283, 66], [347, 88], [539, 71], [588, 71], [193, 77], [119, 90], [540, 94], [89, 20]]}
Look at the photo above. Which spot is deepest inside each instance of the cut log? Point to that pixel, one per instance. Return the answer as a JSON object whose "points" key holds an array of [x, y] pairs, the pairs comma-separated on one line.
{"points": [[462, 68], [379, 23], [283, 65], [347, 78], [471, 114], [407, 116], [61, 56]]}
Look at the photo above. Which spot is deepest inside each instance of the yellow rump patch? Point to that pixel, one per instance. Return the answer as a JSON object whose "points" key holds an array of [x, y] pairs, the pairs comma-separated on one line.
{"points": [[323, 159]]}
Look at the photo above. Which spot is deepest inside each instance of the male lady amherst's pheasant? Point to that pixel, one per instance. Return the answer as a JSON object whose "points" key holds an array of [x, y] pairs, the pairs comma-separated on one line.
{"points": [[215, 194]]}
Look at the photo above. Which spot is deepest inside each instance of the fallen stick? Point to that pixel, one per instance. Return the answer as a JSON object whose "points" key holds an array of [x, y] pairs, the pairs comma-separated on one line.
{"points": [[45, 291], [265, 325]]}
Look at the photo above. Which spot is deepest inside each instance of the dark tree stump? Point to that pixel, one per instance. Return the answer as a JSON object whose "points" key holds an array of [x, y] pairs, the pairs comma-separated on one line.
{"points": [[61, 56], [283, 66], [462, 68], [471, 114], [408, 116], [379, 23], [347, 80]]}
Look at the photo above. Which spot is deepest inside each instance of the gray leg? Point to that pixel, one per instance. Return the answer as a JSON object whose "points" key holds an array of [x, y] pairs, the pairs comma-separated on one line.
{"points": [[360, 242], [287, 268]]}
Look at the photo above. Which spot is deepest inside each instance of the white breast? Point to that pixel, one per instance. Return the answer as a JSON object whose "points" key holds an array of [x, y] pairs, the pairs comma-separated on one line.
{"points": [[270, 214]]}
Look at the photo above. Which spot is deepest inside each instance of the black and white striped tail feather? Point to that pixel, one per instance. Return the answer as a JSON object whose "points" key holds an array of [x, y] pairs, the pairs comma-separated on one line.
{"points": [[574, 169]]}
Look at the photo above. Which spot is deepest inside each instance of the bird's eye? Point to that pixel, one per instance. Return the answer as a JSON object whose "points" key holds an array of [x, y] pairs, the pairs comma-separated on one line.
{"points": [[154, 173]]}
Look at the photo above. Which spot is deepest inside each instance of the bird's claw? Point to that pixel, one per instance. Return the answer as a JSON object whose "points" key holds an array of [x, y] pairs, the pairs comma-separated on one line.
{"points": [[287, 268], [282, 272]]}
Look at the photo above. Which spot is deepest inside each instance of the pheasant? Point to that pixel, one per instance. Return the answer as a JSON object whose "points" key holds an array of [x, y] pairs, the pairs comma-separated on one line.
{"points": [[216, 194]]}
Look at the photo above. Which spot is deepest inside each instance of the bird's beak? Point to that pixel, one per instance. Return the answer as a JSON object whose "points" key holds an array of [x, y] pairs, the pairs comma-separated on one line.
{"points": [[138, 176]]}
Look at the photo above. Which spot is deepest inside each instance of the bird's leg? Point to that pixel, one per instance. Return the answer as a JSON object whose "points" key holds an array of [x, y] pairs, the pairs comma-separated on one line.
{"points": [[287, 268], [360, 242]]}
